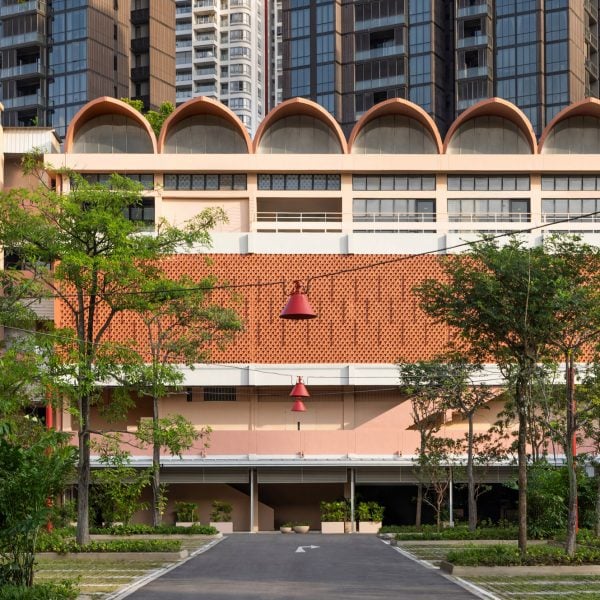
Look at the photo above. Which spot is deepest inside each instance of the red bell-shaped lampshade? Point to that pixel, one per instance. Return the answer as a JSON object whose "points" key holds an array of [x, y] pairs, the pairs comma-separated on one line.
{"points": [[299, 390], [298, 406], [298, 306]]}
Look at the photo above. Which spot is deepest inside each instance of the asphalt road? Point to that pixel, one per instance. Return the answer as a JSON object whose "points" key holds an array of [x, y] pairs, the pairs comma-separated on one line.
{"points": [[267, 567]]}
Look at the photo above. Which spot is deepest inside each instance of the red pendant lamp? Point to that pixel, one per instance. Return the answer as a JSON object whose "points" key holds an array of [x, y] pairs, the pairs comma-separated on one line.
{"points": [[298, 306], [298, 392]]}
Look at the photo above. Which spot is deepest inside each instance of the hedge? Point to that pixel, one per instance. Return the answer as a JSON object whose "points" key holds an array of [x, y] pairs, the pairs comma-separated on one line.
{"points": [[64, 590], [196, 529], [63, 545]]}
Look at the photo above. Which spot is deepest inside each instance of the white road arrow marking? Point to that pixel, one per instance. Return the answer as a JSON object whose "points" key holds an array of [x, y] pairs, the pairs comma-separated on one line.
{"points": [[301, 548]]}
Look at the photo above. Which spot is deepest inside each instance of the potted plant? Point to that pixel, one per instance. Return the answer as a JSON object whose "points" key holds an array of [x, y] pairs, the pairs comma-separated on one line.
{"points": [[286, 527], [370, 516], [301, 527], [333, 516], [186, 514], [220, 516]]}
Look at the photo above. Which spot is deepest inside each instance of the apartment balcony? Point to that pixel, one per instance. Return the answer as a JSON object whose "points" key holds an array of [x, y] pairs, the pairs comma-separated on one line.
{"points": [[140, 16], [181, 11], [495, 218], [380, 82], [205, 56], [481, 39], [183, 43], [205, 5], [140, 73], [391, 50], [209, 24], [472, 72], [205, 40], [185, 27], [139, 45], [25, 70], [394, 218], [23, 39], [379, 22], [464, 104], [183, 96], [20, 8], [591, 8], [592, 67], [483, 8], [183, 77], [31, 100], [591, 38], [298, 221], [210, 73]]}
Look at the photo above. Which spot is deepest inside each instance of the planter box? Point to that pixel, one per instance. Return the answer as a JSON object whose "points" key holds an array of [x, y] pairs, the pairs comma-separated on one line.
{"points": [[184, 523], [116, 556], [529, 571], [369, 526], [223, 526], [301, 528], [286, 530], [332, 527]]}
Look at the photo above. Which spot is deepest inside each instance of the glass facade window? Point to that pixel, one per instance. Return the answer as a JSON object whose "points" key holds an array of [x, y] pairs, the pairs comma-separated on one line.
{"points": [[381, 210], [509, 183], [201, 182], [299, 182], [556, 209], [142, 213], [393, 183], [572, 183], [145, 179], [511, 210]]}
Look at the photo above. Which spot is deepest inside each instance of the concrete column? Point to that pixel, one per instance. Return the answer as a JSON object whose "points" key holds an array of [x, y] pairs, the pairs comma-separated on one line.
{"points": [[253, 501]]}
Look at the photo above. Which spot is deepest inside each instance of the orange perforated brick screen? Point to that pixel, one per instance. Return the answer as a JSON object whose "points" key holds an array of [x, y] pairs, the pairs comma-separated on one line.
{"points": [[367, 316]]}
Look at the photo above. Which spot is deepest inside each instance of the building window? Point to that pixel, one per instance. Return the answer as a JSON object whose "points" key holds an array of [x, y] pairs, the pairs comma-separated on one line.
{"points": [[145, 179], [141, 213], [503, 210], [575, 183], [498, 183], [390, 183], [380, 210], [557, 209], [298, 182], [219, 394], [198, 182]]}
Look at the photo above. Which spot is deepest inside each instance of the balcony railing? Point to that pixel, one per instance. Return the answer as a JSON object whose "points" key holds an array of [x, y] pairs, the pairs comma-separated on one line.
{"points": [[501, 217], [390, 50], [592, 67], [408, 217], [380, 82], [591, 8], [379, 22], [481, 39], [21, 101], [577, 218], [477, 9], [483, 71], [34, 68], [7, 10], [33, 37]]}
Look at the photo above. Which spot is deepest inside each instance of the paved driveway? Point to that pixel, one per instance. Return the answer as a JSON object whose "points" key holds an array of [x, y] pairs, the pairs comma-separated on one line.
{"points": [[252, 567]]}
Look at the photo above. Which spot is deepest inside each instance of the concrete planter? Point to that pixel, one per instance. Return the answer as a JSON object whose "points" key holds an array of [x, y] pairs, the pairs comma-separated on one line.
{"points": [[332, 527], [117, 556], [369, 526], [301, 528], [223, 526], [184, 523], [286, 529]]}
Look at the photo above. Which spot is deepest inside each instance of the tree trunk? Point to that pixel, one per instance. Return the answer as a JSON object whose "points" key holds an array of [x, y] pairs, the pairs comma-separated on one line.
{"points": [[522, 461], [419, 505], [472, 504], [597, 503], [83, 479], [156, 516], [570, 453]]}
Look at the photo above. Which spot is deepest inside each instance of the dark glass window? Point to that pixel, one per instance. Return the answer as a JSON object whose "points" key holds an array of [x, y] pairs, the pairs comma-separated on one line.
{"points": [[393, 182], [199, 182], [298, 182], [220, 394], [142, 213], [492, 183]]}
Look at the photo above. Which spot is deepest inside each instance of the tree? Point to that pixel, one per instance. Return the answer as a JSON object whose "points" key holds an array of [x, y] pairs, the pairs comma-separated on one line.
{"points": [[423, 382], [461, 393], [181, 328], [83, 248], [156, 118], [501, 301], [29, 475]]}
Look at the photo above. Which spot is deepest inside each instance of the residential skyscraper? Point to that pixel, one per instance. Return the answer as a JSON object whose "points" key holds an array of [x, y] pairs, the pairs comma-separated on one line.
{"points": [[221, 49], [58, 55], [348, 55]]}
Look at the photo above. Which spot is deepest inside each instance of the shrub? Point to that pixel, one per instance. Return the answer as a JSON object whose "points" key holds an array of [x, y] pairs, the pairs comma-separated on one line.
{"points": [[334, 511], [221, 511], [195, 529], [48, 544], [186, 511], [65, 590], [370, 511], [506, 555]]}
